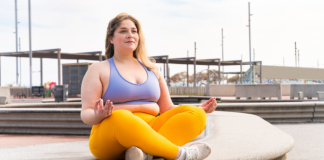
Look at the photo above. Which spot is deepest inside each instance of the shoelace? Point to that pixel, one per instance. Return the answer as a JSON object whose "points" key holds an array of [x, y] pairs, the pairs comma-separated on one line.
{"points": [[148, 156], [192, 153]]}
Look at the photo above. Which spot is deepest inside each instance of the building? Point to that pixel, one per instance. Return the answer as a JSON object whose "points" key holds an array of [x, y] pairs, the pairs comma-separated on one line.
{"points": [[285, 75]]}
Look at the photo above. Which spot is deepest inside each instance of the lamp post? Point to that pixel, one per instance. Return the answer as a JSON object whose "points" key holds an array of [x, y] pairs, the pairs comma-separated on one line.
{"points": [[30, 45], [16, 23], [250, 43]]}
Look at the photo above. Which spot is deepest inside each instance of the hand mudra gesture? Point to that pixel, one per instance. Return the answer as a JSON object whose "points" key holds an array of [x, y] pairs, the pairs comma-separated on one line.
{"points": [[103, 111], [210, 105]]}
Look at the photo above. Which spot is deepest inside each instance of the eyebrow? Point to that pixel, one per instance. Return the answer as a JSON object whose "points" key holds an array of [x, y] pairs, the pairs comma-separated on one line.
{"points": [[127, 28]]}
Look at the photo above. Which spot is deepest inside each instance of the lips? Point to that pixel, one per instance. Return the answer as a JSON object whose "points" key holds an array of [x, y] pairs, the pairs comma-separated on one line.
{"points": [[130, 42]]}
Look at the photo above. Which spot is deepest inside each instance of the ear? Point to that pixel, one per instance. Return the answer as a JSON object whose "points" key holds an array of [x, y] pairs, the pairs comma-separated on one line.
{"points": [[111, 40]]}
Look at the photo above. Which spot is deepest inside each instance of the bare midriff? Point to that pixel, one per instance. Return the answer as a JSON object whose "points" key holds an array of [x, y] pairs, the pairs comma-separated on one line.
{"points": [[151, 108]]}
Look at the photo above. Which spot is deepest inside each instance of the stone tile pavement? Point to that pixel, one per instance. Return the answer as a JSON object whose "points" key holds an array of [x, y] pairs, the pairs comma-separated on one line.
{"points": [[309, 145]]}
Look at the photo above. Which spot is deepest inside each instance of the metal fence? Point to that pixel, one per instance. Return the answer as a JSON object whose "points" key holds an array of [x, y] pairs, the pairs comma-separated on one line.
{"points": [[199, 91], [19, 91]]}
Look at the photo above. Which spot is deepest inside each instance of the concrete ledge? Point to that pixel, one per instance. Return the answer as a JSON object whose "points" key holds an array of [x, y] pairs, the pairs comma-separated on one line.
{"points": [[245, 137], [273, 112], [5, 91], [258, 90], [277, 112], [309, 90]]}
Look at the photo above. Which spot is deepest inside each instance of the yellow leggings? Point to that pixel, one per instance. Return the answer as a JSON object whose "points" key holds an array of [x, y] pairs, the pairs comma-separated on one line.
{"points": [[158, 136]]}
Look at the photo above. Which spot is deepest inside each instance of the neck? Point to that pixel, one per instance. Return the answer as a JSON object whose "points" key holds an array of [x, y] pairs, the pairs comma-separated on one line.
{"points": [[123, 57]]}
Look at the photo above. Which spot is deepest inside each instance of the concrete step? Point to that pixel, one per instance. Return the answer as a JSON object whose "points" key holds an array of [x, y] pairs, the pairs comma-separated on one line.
{"points": [[42, 121]]}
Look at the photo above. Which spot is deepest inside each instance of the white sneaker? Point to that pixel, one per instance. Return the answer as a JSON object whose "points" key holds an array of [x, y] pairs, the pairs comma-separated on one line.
{"points": [[134, 153], [197, 151]]}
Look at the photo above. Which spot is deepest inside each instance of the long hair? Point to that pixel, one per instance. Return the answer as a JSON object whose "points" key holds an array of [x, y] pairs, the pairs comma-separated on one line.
{"points": [[140, 52]]}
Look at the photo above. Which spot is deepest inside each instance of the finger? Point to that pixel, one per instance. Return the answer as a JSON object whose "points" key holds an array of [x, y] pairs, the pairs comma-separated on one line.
{"points": [[210, 109], [101, 106], [214, 105], [110, 108], [210, 100], [211, 106], [107, 106], [96, 104]]}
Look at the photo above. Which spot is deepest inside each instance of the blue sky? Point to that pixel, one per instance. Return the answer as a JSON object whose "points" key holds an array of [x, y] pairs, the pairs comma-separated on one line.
{"points": [[170, 27]]}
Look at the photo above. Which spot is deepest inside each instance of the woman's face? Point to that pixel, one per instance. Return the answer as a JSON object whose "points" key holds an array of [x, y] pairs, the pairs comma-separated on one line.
{"points": [[125, 37]]}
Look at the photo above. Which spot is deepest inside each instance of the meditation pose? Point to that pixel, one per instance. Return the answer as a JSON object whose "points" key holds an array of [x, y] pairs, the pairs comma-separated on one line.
{"points": [[123, 96]]}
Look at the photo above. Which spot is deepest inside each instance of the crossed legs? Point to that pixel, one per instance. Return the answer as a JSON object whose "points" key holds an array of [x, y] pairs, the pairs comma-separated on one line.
{"points": [[158, 136]]}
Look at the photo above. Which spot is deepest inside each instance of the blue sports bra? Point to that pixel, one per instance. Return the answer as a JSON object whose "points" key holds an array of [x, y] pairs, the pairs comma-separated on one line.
{"points": [[121, 91]]}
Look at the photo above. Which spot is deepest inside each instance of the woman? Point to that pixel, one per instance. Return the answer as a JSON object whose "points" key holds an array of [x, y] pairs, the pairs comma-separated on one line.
{"points": [[122, 96]]}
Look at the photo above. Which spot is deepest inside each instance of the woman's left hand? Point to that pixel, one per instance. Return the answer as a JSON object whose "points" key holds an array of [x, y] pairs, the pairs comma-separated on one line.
{"points": [[210, 105]]}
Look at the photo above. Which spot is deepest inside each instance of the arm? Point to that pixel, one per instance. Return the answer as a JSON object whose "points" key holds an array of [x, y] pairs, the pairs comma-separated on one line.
{"points": [[165, 103], [93, 111]]}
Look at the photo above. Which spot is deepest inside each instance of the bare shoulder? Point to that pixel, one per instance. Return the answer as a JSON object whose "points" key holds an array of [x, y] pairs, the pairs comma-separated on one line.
{"points": [[98, 66]]}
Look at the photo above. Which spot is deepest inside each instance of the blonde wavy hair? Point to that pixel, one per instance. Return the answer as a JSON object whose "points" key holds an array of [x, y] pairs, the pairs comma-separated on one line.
{"points": [[140, 52]]}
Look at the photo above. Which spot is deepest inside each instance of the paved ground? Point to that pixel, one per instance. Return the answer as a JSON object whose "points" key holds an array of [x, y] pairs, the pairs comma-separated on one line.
{"points": [[309, 145], [309, 140]]}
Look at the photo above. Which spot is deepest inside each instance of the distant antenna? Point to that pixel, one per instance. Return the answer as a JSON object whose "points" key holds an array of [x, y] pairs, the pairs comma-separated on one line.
{"points": [[295, 55]]}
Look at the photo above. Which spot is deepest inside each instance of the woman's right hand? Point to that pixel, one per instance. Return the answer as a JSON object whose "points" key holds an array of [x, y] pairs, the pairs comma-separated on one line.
{"points": [[103, 111]]}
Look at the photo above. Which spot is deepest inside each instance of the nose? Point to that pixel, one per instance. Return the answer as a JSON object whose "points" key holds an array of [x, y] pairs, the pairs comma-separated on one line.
{"points": [[130, 34]]}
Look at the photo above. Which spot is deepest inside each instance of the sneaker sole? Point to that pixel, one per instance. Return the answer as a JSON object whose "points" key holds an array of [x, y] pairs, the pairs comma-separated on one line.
{"points": [[206, 149]]}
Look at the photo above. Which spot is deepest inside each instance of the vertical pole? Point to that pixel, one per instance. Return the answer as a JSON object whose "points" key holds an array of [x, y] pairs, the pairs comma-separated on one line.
{"points": [[261, 72], [100, 57], [20, 62], [241, 73], [207, 86], [30, 45], [254, 64], [222, 55], [250, 44], [195, 67], [167, 68], [41, 71], [208, 75], [17, 75], [295, 54], [164, 70], [187, 70], [77, 60], [219, 71], [59, 66]]}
